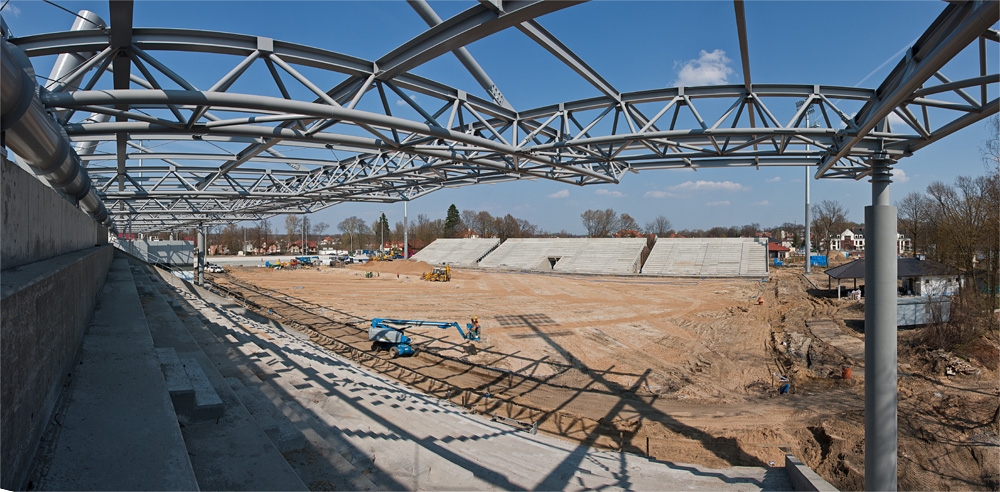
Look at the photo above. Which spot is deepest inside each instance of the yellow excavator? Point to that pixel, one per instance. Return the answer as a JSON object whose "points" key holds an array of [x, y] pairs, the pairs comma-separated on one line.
{"points": [[442, 274]]}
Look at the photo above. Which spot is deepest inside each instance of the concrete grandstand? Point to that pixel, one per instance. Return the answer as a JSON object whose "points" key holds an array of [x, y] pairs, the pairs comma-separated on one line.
{"points": [[457, 252], [608, 256], [708, 257]]}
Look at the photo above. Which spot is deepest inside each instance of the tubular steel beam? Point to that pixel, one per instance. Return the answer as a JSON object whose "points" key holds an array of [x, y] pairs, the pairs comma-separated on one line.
{"points": [[958, 26], [538, 34], [431, 18], [467, 27]]}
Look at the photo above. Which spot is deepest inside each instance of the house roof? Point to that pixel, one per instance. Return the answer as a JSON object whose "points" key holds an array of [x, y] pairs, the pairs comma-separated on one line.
{"points": [[771, 246], [905, 267]]}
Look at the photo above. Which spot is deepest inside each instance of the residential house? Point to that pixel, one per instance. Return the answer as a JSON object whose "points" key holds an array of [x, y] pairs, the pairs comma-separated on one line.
{"points": [[777, 251], [854, 240]]}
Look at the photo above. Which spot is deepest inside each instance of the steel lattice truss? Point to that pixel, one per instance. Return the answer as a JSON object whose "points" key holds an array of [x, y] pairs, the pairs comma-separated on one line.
{"points": [[164, 153]]}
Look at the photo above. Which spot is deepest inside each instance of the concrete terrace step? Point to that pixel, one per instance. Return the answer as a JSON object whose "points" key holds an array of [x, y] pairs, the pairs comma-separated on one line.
{"points": [[319, 458], [279, 429], [116, 424], [229, 451], [361, 427], [169, 333]]}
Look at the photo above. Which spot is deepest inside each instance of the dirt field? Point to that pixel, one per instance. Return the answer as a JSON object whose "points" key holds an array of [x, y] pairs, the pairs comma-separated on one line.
{"points": [[685, 370]]}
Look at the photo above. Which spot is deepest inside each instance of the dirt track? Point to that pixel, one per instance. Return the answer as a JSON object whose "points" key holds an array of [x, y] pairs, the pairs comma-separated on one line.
{"points": [[684, 369]]}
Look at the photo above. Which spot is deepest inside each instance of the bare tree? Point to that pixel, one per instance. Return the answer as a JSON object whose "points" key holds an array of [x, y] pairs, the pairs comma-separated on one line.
{"points": [[469, 220], [829, 218], [659, 226], [426, 230], [353, 229], [627, 223], [600, 223], [320, 228], [292, 223], [914, 217], [483, 224]]}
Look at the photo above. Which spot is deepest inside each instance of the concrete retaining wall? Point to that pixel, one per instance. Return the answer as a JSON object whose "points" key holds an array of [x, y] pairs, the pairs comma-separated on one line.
{"points": [[44, 310], [176, 253], [38, 223]]}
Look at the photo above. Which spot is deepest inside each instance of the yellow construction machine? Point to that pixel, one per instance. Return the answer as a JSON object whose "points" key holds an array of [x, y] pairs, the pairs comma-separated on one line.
{"points": [[442, 274]]}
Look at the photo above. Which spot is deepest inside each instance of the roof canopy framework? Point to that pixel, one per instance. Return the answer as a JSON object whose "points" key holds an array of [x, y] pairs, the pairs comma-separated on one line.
{"points": [[266, 138]]}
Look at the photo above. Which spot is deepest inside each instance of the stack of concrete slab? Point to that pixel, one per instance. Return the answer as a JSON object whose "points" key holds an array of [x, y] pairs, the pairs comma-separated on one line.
{"points": [[611, 256], [707, 257], [457, 252]]}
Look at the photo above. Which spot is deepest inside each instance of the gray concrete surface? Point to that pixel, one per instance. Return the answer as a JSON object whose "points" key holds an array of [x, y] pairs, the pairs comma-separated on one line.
{"points": [[361, 427], [804, 478], [228, 451], [44, 311], [115, 428], [38, 223]]}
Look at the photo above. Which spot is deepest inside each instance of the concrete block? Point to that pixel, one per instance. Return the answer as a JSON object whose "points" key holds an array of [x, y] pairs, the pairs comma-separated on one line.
{"points": [[207, 403], [44, 311], [178, 383], [38, 223], [804, 478]]}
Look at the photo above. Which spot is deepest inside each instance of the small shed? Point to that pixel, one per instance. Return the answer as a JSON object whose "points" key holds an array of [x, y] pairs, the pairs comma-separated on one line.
{"points": [[918, 277], [925, 288], [776, 251]]}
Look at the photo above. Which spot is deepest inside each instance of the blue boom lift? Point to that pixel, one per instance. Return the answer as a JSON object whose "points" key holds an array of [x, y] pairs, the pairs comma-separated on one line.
{"points": [[387, 334]]}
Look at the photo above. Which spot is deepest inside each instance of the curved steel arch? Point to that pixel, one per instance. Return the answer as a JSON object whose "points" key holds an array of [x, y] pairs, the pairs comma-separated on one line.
{"points": [[242, 169]]}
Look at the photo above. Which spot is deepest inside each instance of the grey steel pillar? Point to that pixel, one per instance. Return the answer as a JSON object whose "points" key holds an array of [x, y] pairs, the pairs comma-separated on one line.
{"points": [[202, 251], [406, 235], [808, 220], [880, 334]]}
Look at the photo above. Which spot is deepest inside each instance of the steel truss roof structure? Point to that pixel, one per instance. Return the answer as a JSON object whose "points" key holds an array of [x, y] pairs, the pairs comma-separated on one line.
{"points": [[183, 155]]}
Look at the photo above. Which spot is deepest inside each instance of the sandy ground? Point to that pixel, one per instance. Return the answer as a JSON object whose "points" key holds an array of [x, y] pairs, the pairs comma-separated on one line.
{"points": [[685, 370]]}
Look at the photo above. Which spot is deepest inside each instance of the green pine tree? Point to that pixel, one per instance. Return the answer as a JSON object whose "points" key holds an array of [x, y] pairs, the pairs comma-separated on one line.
{"points": [[452, 222]]}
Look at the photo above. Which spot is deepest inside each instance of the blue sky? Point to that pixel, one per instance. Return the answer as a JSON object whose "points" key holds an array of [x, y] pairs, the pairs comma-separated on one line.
{"points": [[634, 45]]}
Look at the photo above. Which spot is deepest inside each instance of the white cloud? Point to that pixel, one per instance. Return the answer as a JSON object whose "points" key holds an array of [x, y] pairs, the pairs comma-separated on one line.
{"points": [[710, 68], [401, 102], [11, 9], [762, 203], [723, 203], [709, 186], [899, 176], [616, 194], [560, 194], [659, 194], [898, 124], [773, 180]]}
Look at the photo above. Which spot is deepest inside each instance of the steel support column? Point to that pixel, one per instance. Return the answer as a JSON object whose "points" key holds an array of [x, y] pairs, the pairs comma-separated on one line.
{"points": [[202, 251], [808, 239], [880, 334], [406, 235]]}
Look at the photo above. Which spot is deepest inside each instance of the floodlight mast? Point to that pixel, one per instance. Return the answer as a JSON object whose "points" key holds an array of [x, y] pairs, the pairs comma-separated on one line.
{"points": [[808, 238]]}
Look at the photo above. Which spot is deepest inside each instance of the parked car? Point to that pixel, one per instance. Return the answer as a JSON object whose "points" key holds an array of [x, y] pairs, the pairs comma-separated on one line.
{"points": [[213, 268]]}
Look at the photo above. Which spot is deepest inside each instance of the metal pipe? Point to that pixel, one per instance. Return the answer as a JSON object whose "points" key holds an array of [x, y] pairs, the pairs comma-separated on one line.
{"points": [[880, 334], [35, 137]]}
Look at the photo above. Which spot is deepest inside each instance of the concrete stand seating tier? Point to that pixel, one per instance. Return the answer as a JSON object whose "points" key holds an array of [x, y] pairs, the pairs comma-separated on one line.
{"points": [[707, 257], [456, 252], [610, 256]]}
